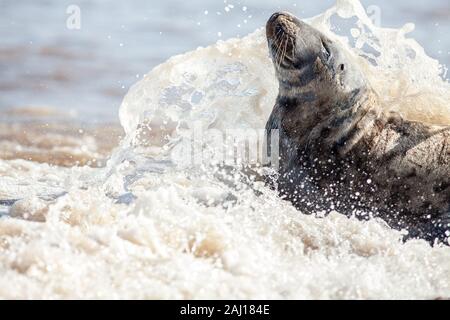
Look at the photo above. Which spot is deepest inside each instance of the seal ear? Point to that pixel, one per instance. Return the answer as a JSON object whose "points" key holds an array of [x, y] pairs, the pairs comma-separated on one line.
{"points": [[326, 49]]}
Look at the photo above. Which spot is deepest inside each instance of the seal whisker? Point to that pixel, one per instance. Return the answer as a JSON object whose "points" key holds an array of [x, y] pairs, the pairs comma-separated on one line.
{"points": [[277, 37], [278, 56], [279, 52], [283, 51], [283, 57], [290, 52], [278, 46], [293, 49]]}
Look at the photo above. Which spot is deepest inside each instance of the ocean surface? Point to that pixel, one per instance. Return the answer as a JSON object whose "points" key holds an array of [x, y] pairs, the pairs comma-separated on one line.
{"points": [[99, 198], [87, 72]]}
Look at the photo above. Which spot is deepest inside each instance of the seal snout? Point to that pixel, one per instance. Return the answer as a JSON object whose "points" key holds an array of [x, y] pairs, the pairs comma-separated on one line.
{"points": [[280, 23], [281, 30], [279, 14], [275, 16]]}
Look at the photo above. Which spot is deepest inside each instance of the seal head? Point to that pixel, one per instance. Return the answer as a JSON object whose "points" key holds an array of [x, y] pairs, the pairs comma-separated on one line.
{"points": [[304, 57]]}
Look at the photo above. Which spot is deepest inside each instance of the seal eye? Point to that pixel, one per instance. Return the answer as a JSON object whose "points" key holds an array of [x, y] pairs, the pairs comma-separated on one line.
{"points": [[326, 50], [342, 67]]}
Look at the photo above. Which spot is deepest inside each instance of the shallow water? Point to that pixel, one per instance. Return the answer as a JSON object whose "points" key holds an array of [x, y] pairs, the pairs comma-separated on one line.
{"points": [[88, 71], [148, 225]]}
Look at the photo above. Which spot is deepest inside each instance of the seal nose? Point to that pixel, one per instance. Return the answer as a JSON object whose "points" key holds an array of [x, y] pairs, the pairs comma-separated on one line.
{"points": [[278, 14], [272, 24], [274, 17], [278, 21]]}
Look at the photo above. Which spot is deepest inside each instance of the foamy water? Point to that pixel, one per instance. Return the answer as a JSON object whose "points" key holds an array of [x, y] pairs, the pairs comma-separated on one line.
{"points": [[143, 227]]}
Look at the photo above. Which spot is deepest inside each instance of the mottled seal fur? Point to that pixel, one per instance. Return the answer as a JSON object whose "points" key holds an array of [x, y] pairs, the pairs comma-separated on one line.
{"points": [[339, 150]]}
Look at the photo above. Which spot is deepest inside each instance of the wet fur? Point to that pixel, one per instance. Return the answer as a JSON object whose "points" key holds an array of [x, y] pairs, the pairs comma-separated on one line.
{"points": [[339, 150]]}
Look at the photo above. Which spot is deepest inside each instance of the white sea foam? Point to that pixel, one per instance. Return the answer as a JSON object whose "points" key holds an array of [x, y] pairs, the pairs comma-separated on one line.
{"points": [[143, 228]]}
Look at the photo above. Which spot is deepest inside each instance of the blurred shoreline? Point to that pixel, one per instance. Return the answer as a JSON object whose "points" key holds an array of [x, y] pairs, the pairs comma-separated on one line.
{"points": [[45, 135]]}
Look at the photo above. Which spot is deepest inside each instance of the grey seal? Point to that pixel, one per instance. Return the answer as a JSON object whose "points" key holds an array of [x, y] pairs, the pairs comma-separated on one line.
{"points": [[339, 149]]}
